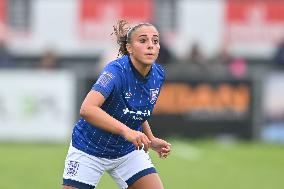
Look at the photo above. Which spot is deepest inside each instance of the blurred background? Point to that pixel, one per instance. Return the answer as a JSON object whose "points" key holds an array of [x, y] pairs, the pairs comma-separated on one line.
{"points": [[222, 104]]}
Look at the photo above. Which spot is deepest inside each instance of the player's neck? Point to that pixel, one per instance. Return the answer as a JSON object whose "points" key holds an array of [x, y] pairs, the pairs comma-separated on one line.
{"points": [[143, 69]]}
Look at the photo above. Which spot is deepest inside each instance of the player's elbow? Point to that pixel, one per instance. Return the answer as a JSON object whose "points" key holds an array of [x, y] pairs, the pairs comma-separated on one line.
{"points": [[84, 111], [88, 110]]}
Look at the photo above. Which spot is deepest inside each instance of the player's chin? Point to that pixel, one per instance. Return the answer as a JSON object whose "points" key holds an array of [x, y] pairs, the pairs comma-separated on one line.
{"points": [[149, 61]]}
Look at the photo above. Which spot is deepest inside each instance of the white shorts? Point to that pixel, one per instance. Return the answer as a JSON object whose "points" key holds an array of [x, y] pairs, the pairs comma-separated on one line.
{"points": [[84, 171]]}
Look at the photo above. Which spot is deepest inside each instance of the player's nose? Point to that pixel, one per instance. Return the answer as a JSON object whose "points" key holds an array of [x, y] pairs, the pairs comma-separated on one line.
{"points": [[150, 44]]}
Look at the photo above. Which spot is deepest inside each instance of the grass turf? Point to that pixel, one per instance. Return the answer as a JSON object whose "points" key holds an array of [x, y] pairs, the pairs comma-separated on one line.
{"points": [[192, 164]]}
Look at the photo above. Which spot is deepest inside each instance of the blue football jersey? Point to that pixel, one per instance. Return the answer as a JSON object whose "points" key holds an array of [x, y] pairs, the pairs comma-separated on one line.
{"points": [[129, 98]]}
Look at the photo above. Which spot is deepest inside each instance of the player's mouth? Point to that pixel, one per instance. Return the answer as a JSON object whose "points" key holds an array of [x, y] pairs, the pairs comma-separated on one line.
{"points": [[150, 55]]}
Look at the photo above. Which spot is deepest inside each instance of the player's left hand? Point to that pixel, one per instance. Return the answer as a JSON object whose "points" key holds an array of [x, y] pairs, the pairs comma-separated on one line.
{"points": [[162, 147]]}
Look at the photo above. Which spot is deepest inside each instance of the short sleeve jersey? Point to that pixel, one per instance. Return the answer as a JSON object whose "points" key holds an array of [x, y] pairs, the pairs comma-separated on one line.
{"points": [[129, 98]]}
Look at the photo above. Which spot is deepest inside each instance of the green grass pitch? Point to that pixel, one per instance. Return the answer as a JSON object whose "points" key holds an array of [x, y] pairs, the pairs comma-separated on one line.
{"points": [[191, 165]]}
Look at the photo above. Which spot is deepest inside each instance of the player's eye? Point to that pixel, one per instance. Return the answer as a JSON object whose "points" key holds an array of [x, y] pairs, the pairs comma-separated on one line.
{"points": [[142, 40], [156, 41]]}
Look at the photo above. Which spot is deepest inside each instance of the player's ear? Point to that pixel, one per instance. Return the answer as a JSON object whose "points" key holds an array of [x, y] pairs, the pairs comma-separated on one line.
{"points": [[129, 48]]}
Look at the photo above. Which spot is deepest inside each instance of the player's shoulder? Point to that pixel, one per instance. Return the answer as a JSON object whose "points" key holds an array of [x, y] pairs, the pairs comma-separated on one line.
{"points": [[118, 65], [159, 69]]}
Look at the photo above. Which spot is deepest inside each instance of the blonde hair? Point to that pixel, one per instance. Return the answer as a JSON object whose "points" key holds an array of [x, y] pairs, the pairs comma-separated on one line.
{"points": [[123, 33]]}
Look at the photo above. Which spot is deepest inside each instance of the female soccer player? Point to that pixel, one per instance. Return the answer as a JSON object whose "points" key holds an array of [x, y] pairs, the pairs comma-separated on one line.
{"points": [[113, 134]]}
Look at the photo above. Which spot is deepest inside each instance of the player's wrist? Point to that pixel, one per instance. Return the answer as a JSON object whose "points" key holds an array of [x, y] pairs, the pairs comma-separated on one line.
{"points": [[124, 130], [151, 138]]}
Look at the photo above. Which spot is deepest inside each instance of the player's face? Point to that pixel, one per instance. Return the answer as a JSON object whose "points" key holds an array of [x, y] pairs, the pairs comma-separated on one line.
{"points": [[144, 46]]}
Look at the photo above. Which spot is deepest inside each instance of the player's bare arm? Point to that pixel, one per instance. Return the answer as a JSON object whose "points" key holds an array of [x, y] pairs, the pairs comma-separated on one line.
{"points": [[91, 111]]}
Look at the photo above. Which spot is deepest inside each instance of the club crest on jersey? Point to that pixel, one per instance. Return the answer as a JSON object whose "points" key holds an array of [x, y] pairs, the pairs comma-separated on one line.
{"points": [[154, 95]]}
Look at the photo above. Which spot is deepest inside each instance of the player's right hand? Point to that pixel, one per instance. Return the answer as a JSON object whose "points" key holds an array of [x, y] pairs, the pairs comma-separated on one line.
{"points": [[139, 139]]}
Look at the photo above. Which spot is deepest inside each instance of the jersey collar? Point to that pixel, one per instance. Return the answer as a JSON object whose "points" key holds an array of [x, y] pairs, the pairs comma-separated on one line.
{"points": [[137, 74]]}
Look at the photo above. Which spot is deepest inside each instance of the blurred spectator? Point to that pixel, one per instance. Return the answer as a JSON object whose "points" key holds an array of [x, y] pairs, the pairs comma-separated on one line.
{"points": [[223, 57], [6, 60], [278, 58], [219, 63], [194, 62], [224, 63], [48, 60], [195, 55]]}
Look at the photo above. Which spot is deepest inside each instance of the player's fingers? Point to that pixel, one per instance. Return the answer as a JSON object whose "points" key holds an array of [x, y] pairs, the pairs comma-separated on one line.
{"points": [[167, 147], [146, 143], [166, 150], [137, 140], [148, 140], [136, 144], [166, 144], [140, 144], [163, 155]]}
